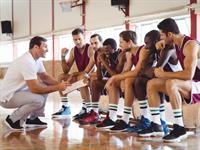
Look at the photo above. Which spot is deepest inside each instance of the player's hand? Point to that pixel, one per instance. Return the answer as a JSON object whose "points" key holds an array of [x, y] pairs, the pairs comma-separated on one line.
{"points": [[64, 52], [110, 81], [71, 78], [160, 44], [63, 85], [159, 72]]}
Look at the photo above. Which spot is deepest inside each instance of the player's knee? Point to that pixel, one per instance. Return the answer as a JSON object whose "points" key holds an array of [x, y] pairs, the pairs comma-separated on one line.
{"points": [[94, 84], [151, 86], [128, 82], [171, 84]]}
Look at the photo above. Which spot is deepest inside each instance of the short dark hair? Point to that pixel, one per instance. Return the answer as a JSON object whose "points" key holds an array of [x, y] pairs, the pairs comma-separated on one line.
{"points": [[154, 35], [169, 25], [37, 40], [110, 42], [99, 37], [77, 31], [129, 35]]}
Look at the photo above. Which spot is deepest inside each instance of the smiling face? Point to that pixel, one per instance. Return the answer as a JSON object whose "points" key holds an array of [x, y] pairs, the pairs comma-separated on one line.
{"points": [[96, 43], [41, 50]]}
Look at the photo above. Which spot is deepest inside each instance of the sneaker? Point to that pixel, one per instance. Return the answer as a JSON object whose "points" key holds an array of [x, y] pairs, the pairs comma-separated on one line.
{"points": [[153, 130], [13, 125], [91, 118], [141, 125], [82, 114], [165, 127], [120, 125], [35, 123], [107, 123], [64, 112], [176, 135]]}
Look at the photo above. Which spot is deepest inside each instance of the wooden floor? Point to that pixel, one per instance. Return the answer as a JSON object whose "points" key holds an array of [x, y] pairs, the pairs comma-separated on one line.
{"points": [[66, 134]]}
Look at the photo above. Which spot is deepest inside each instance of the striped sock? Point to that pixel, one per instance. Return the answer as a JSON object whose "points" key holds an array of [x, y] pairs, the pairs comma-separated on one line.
{"points": [[178, 117], [95, 106], [83, 105], [64, 101], [88, 106], [162, 112], [127, 113], [144, 108], [113, 112], [155, 113]]}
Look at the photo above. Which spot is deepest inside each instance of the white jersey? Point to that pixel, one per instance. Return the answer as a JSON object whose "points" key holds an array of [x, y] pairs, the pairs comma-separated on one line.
{"points": [[22, 69], [176, 67]]}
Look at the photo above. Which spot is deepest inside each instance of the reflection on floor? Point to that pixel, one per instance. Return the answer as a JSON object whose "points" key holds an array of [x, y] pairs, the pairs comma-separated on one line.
{"points": [[66, 134]]}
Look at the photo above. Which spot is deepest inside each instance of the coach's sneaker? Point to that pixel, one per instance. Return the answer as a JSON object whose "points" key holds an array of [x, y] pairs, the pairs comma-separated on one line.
{"points": [[35, 123], [176, 135], [13, 125], [141, 125], [107, 123], [62, 113], [82, 114], [165, 127], [153, 130], [91, 118], [120, 125]]}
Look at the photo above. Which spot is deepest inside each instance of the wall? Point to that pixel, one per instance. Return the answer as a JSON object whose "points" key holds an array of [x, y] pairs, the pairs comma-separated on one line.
{"points": [[33, 17]]}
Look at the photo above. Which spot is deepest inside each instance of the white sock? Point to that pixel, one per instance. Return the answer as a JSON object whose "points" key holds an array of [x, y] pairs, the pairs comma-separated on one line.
{"points": [[162, 112], [144, 108], [155, 113], [88, 106], [95, 107], [127, 113], [83, 105], [178, 117], [113, 112], [64, 101]]}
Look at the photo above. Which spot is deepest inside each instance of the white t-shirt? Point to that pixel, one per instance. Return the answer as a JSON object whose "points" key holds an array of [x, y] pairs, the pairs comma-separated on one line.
{"points": [[22, 69]]}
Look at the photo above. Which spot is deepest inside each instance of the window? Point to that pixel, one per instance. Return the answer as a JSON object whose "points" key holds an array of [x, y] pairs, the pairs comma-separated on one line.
{"points": [[6, 51], [22, 47]]}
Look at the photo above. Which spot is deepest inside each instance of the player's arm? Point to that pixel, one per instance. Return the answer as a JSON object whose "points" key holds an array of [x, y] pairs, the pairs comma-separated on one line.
{"points": [[66, 65], [105, 63], [165, 56], [121, 62], [90, 65], [130, 74], [190, 52]]}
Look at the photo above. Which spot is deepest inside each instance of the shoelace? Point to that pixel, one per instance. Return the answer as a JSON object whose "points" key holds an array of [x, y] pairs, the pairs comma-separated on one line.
{"points": [[102, 122], [61, 110], [173, 132]]}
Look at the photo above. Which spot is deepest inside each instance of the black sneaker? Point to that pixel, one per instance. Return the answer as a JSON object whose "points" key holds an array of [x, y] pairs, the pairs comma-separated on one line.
{"points": [[107, 123], [82, 114], [153, 130], [120, 125], [176, 135], [35, 123], [13, 125]]}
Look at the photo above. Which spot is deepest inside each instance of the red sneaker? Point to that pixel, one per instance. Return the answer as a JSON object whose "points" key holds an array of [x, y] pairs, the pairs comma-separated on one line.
{"points": [[91, 118]]}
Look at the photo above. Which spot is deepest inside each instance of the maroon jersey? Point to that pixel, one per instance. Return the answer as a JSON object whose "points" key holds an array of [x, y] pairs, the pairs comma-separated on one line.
{"points": [[135, 57], [112, 62], [181, 57], [81, 60]]}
